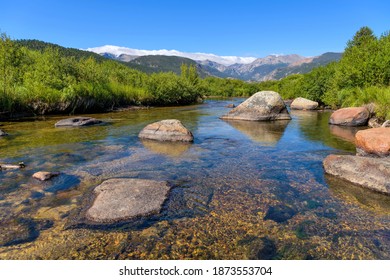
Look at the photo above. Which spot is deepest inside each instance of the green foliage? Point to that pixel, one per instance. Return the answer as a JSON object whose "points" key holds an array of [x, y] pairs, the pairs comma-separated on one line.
{"points": [[362, 76], [45, 78]]}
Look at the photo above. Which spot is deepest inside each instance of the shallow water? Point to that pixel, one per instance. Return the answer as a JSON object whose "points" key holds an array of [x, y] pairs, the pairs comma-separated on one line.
{"points": [[242, 190]]}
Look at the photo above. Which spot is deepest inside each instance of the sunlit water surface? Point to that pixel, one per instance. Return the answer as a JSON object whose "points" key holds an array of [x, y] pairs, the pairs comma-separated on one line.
{"points": [[242, 190]]}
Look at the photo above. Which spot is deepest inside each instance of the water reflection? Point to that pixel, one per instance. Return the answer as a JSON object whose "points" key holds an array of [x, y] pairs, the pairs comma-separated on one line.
{"points": [[266, 133], [314, 126], [358, 196], [172, 149], [344, 132]]}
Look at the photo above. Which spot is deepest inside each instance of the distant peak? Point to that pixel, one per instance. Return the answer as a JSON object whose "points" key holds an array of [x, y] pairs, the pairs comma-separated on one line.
{"points": [[224, 60]]}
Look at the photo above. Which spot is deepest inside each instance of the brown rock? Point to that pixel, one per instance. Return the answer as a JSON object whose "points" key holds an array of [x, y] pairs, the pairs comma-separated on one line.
{"points": [[166, 130], [121, 199], [371, 173], [373, 141], [262, 106], [230, 106], [301, 103], [351, 116]]}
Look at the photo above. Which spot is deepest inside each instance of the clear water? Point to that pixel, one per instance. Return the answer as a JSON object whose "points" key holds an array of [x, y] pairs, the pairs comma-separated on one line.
{"points": [[242, 190]]}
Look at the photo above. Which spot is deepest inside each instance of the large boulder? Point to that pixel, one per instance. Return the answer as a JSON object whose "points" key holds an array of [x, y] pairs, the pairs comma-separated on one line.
{"points": [[301, 103], [351, 116], [166, 130], [77, 121], [262, 106], [371, 173], [122, 199], [373, 141]]}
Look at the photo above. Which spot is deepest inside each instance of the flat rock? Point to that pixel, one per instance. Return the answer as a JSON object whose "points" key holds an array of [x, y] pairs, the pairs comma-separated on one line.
{"points": [[44, 175], [77, 121], [370, 173], [262, 106], [122, 199], [351, 116], [3, 133], [301, 103], [373, 141], [166, 130]]}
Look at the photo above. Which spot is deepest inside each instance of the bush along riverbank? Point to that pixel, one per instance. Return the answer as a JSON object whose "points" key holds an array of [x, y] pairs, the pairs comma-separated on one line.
{"points": [[48, 81]]}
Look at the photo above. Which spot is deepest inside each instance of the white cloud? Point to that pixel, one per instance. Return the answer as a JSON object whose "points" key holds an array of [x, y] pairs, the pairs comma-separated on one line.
{"points": [[225, 60]]}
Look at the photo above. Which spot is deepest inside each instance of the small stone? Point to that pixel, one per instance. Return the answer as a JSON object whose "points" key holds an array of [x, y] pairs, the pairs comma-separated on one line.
{"points": [[230, 105], [44, 175], [3, 133], [386, 124]]}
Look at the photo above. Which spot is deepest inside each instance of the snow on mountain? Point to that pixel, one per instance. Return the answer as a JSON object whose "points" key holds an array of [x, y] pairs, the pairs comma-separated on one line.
{"points": [[224, 60]]}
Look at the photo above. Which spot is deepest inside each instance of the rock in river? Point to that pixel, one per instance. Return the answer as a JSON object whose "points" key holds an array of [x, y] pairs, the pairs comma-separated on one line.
{"points": [[44, 175], [374, 141], [262, 106], [351, 116], [166, 130], [77, 121], [301, 103], [3, 133], [121, 199], [371, 173]]}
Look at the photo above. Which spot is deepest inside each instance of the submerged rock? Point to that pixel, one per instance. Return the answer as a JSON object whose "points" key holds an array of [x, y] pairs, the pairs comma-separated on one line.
{"points": [[5, 166], [3, 133], [301, 103], [279, 213], [122, 199], [373, 141], [371, 173], [262, 106], [77, 121], [166, 130], [351, 116], [44, 175]]}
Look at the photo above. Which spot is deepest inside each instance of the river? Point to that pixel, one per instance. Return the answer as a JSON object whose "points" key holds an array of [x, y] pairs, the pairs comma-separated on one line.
{"points": [[242, 190]]}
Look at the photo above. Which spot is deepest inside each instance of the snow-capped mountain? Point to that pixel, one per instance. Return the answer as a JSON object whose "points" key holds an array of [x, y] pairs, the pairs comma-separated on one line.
{"points": [[244, 68], [224, 60]]}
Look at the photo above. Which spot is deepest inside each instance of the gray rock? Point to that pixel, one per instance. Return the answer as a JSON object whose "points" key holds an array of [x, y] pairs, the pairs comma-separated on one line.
{"points": [[262, 106], [371, 173], [44, 175], [77, 121], [301, 103], [3, 133], [166, 130], [122, 199]]}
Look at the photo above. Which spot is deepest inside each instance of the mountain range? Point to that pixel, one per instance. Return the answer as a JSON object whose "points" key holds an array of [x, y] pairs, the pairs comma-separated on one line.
{"points": [[271, 67]]}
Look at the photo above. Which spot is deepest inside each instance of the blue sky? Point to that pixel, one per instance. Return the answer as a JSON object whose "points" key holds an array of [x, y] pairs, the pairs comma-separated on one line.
{"points": [[243, 27]]}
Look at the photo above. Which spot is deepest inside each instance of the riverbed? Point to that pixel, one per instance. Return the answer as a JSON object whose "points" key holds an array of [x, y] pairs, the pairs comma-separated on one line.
{"points": [[242, 190]]}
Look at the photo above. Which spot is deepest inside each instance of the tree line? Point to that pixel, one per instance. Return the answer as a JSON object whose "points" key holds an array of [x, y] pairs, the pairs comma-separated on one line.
{"points": [[50, 80]]}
